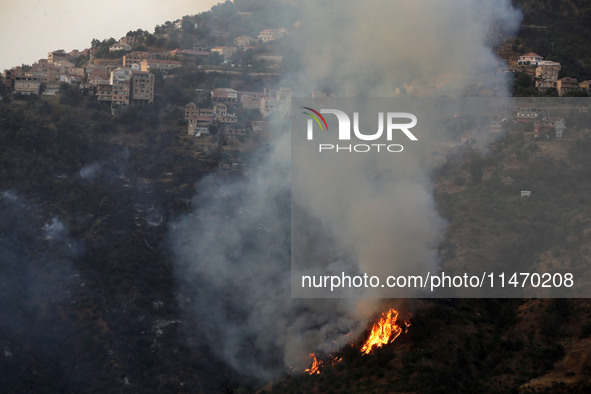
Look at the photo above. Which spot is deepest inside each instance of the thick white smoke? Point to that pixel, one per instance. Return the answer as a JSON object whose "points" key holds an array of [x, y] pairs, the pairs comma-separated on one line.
{"points": [[372, 48], [233, 261]]}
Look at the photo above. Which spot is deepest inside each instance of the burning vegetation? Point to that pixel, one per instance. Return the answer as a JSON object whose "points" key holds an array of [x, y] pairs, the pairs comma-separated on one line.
{"points": [[317, 365], [383, 332], [315, 368]]}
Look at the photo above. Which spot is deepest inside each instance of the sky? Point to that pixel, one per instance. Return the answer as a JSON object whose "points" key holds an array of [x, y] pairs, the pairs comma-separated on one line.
{"points": [[30, 29]]}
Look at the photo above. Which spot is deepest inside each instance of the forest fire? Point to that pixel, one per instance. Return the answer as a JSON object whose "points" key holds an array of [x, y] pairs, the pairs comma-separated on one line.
{"points": [[384, 331], [317, 365], [315, 368]]}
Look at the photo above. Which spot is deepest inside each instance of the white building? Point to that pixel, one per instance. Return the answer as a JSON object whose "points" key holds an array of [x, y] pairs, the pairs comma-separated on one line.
{"points": [[119, 47], [268, 35], [530, 58]]}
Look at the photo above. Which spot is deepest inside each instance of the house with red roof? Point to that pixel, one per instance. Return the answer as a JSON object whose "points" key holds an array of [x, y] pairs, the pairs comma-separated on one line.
{"points": [[530, 58]]}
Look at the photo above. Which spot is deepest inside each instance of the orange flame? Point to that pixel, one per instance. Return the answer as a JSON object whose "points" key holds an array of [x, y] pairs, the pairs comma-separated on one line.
{"points": [[318, 365], [315, 368], [384, 331]]}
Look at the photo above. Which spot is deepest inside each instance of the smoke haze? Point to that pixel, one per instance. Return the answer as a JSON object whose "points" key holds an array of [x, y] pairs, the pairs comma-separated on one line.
{"points": [[233, 261], [371, 48]]}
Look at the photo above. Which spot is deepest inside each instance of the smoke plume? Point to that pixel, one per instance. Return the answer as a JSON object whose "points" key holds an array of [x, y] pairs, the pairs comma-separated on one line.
{"points": [[233, 261]]}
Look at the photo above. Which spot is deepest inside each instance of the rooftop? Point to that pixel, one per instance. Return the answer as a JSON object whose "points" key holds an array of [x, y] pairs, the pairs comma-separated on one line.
{"points": [[531, 54]]}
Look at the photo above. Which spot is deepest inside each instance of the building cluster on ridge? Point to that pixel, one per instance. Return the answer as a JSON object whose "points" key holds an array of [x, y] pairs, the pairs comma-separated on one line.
{"points": [[132, 81], [546, 72], [270, 101]]}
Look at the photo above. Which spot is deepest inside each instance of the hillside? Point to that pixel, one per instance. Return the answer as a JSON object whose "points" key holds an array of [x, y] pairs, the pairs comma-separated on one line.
{"points": [[491, 345], [469, 346], [90, 299], [559, 31], [91, 296]]}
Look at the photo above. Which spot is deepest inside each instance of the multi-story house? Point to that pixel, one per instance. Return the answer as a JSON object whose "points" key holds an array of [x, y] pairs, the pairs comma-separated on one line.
{"points": [[26, 86], [10, 77], [157, 64], [220, 109], [104, 92], [586, 85], [224, 95], [530, 58], [142, 87], [191, 110], [565, 85], [227, 118], [268, 35], [198, 123], [98, 75], [57, 56], [121, 81], [233, 132], [46, 72], [243, 41], [136, 57], [201, 46], [251, 100], [548, 70], [224, 52], [276, 101], [542, 84], [128, 40]]}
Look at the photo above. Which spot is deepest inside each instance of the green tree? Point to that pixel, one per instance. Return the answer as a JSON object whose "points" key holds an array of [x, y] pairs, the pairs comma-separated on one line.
{"points": [[69, 95], [523, 85]]}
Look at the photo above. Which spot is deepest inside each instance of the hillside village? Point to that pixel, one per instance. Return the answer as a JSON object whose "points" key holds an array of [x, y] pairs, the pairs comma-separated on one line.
{"points": [[121, 74], [109, 140], [218, 73], [128, 72], [545, 76], [240, 65]]}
